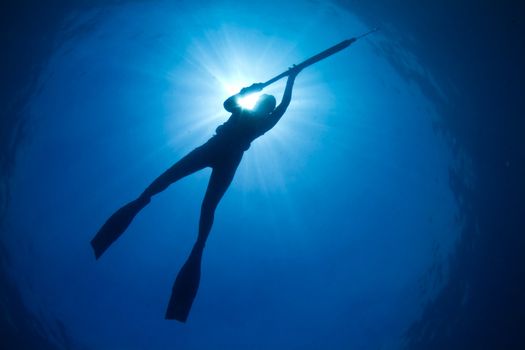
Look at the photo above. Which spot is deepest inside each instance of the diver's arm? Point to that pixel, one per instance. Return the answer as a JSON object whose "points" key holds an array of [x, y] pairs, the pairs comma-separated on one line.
{"points": [[231, 104], [270, 121]]}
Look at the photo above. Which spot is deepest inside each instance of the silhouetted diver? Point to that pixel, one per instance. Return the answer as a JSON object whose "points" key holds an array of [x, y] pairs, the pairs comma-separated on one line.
{"points": [[223, 153]]}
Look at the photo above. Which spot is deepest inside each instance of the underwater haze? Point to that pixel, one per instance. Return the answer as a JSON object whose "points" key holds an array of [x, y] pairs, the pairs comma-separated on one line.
{"points": [[384, 210]]}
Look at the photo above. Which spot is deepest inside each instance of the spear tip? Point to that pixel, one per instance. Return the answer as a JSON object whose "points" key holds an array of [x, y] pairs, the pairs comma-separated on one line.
{"points": [[373, 30]]}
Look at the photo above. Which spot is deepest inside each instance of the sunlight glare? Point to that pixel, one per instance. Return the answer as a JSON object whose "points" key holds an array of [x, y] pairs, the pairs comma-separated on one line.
{"points": [[218, 65], [249, 101]]}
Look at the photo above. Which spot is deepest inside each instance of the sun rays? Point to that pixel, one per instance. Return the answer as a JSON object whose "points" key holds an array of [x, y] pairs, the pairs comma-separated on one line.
{"points": [[218, 64]]}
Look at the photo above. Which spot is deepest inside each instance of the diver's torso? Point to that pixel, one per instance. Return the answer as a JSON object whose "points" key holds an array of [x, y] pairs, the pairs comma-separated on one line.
{"points": [[237, 133]]}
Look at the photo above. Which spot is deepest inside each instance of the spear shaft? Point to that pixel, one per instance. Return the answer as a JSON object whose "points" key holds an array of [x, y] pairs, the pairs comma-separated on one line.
{"points": [[320, 56]]}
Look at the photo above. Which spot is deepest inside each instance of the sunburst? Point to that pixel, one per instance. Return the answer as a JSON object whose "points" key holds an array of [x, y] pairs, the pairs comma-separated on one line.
{"points": [[218, 65]]}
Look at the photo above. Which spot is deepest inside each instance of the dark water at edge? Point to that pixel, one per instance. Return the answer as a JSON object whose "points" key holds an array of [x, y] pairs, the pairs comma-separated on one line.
{"points": [[29, 32], [475, 49]]}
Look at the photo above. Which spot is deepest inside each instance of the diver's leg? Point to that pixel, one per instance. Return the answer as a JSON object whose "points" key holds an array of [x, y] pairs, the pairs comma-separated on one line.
{"points": [[121, 219], [187, 282], [194, 161]]}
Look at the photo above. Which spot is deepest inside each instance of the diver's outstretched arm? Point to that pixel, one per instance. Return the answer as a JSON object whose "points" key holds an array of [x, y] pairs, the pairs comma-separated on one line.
{"points": [[231, 104], [278, 112]]}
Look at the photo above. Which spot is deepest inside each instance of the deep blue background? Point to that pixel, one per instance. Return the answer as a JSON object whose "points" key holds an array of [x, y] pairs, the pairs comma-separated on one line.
{"points": [[385, 210]]}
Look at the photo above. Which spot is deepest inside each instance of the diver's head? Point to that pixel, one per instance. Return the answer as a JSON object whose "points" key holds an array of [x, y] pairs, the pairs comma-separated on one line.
{"points": [[265, 105]]}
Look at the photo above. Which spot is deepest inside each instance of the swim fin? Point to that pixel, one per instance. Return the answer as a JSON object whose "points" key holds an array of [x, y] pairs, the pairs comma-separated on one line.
{"points": [[185, 287], [116, 225]]}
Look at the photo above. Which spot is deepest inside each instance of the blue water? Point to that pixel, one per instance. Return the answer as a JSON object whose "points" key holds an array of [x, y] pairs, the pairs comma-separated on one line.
{"points": [[342, 229]]}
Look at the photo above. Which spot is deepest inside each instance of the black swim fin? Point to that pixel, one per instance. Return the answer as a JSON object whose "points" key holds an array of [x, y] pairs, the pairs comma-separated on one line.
{"points": [[185, 287], [116, 225]]}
